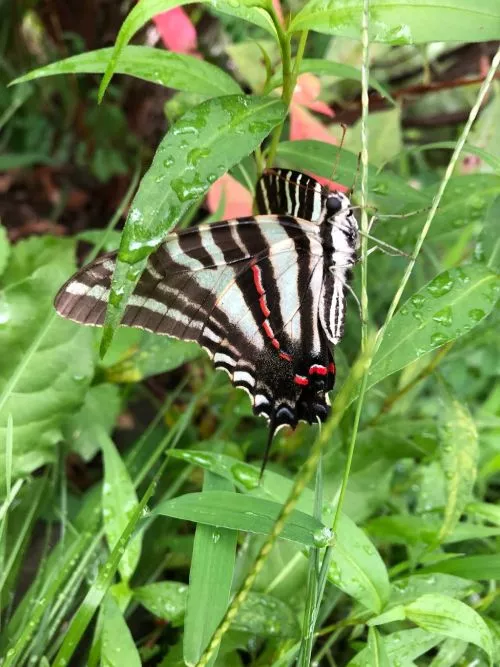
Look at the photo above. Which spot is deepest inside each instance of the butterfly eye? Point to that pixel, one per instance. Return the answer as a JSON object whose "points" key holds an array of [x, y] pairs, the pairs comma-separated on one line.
{"points": [[333, 204]]}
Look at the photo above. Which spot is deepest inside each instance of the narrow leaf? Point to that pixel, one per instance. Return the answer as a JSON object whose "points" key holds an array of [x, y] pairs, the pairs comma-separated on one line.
{"points": [[489, 241], [147, 9], [449, 653], [478, 568], [238, 512], [201, 146], [210, 579], [402, 647], [452, 304], [377, 651], [404, 21], [117, 644], [173, 70], [459, 451], [444, 615], [119, 501]]}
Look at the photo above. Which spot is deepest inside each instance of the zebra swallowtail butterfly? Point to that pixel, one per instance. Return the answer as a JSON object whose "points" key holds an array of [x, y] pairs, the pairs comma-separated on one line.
{"points": [[264, 295]]}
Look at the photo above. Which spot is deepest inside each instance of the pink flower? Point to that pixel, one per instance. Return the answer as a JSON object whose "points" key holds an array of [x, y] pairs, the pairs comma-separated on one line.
{"points": [[237, 199], [176, 30]]}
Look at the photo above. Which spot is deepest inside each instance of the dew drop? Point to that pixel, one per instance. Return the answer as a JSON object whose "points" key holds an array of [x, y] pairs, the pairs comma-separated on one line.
{"points": [[441, 285], [443, 316], [438, 339], [246, 475], [476, 314]]}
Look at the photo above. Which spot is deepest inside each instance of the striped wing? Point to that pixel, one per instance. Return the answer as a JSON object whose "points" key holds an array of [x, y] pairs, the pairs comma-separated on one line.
{"points": [[248, 291], [288, 192]]}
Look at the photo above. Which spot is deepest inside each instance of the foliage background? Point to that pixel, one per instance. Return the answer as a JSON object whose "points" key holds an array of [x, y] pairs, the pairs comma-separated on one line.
{"points": [[98, 537]]}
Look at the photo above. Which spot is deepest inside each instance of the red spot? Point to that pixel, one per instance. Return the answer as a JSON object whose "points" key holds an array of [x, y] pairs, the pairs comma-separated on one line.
{"points": [[267, 328], [317, 369], [263, 306], [257, 278], [275, 343], [285, 356], [331, 367], [300, 379]]}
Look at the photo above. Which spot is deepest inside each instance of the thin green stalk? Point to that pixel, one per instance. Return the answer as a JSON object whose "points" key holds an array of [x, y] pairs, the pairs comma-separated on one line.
{"points": [[310, 613], [341, 403], [365, 75]]}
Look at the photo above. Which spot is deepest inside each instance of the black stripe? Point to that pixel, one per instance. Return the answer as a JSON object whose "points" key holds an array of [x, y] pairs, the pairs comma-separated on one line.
{"points": [[192, 246]]}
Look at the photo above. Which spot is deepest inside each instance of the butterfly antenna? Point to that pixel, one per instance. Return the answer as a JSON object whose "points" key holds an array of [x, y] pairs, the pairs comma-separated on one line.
{"points": [[272, 431], [339, 151]]}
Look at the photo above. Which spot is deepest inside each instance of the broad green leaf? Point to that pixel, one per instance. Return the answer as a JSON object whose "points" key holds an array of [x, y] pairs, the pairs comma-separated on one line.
{"points": [[387, 190], [449, 653], [464, 204], [146, 9], [377, 651], [165, 599], [205, 143], [384, 136], [402, 647], [154, 355], [56, 373], [97, 415], [410, 588], [356, 566], [477, 568], [490, 159], [117, 644], [119, 501], [210, 579], [452, 304], [320, 67], [4, 251], [246, 513], [404, 21], [485, 511], [489, 241], [262, 615], [444, 615], [173, 70], [459, 453]]}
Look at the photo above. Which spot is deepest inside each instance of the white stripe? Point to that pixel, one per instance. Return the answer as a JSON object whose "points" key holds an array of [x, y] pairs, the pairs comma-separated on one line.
{"points": [[221, 358], [297, 195], [211, 335], [243, 376], [316, 202], [260, 399], [287, 190], [155, 274], [163, 309], [98, 292], [109, 265], [264, 195]]}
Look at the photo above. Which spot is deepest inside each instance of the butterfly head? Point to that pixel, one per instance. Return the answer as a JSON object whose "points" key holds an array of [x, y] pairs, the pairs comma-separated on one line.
{"points": [[338, 212], [337, 202]]}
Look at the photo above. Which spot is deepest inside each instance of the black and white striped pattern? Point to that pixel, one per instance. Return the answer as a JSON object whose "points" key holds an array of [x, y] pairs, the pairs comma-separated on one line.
{"points": [[263, 295]]}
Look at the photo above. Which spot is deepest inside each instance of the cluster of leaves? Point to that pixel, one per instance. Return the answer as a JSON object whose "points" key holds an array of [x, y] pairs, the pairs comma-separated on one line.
{"points": [[415, 558]]}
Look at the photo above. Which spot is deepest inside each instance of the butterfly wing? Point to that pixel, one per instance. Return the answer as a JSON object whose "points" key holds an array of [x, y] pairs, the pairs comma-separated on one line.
{"points": [[247, 290], [288, 192]]}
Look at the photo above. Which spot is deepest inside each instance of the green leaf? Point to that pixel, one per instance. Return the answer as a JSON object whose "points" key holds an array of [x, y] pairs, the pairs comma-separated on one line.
{"points": [[4, 251], [477, 568], [377, 651], [119, 501], [173, 70], [210, 579], [402, 647], [117, 644], [449, 653], [485, 511], [459, 451], [410, 588], [97, 415], [387, 190], [246, 513], [384, 136], [201, 146], [165, 599], [153, 355], [452, 304], [356, 566], [489, 241], [404, 21], [452, 618], [57, 372], [328, 68], [146, 9]]}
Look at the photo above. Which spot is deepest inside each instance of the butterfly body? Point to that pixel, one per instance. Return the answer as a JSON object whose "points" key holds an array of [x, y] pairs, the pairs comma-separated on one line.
{"points": [[264, 295]]}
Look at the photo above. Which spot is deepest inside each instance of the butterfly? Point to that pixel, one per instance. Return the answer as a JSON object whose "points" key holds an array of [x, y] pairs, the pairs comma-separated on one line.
{"points": [[264, 295]]}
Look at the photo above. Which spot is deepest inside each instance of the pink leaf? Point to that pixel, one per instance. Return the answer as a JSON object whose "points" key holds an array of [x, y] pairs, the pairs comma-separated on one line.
{"points": [[238, 200], [176, 30]]}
